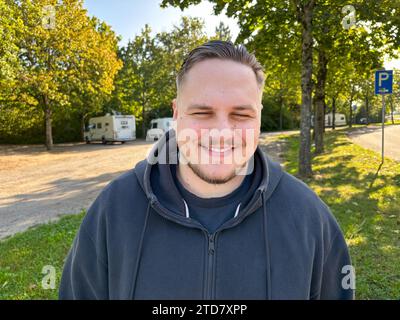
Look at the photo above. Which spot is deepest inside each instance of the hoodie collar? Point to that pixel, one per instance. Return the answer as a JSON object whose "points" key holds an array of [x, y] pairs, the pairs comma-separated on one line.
{"points": [[165, 152]]}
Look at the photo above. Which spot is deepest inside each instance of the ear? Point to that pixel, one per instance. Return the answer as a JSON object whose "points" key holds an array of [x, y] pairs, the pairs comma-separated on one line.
{"points": [[174, 109]]}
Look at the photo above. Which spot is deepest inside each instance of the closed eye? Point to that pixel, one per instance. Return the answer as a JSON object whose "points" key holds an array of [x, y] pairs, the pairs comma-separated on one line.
{"points": [[201, 113], [241, 115]]}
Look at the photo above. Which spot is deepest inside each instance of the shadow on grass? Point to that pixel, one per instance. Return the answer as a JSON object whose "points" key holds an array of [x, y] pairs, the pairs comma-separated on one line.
{"points": [[369, 217]]}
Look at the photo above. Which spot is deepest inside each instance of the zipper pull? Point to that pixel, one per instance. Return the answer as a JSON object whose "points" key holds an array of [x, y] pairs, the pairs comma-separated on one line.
{"points": [[211, 248]]}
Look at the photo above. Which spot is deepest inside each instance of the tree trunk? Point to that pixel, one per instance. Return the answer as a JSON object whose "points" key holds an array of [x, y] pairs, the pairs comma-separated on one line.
{"points": [[144, 109], [333, 113], [367, 108], [281, 113], [320, 102], [351, 109], [306, 16], [83, 127], [48, 115], [143, 122], [351, 113]]}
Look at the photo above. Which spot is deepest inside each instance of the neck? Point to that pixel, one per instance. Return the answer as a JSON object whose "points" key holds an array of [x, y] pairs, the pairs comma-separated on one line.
{"points": [[203, 189]]}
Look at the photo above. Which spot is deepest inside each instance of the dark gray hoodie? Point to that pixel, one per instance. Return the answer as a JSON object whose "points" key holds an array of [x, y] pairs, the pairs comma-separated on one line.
{"points": [[284, 244]]}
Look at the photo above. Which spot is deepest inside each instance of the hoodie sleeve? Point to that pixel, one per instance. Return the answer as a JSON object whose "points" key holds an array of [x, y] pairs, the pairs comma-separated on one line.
{"points": [[85, 274], [338, 278]]}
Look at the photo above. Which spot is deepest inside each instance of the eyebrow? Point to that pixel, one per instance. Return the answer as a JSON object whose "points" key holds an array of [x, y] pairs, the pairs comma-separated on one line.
{"points": [[206, 107]]}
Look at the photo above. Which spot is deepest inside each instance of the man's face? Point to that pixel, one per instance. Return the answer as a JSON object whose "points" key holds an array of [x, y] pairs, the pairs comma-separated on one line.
{"points": [[218, 114]]}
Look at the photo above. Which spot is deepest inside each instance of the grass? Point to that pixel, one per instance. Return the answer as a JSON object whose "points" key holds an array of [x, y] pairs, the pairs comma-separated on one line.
{"points": [[369, 218], [23, 256]]}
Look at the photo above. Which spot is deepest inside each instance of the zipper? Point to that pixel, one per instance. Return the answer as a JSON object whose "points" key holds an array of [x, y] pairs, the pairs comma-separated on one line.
{"points": [[210, 266], [211, 239]]}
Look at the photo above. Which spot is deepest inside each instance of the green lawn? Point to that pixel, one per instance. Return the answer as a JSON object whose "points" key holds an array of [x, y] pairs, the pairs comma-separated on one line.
{"points": [[370, 220], [23, 256]]}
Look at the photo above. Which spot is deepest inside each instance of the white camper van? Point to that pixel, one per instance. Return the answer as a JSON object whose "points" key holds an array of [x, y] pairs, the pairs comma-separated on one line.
{"points": [[157, 128], [110, 128], [340, 119]]}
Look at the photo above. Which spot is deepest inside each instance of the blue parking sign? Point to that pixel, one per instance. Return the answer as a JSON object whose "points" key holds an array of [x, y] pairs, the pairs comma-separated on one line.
{"points": [[383, 81]]}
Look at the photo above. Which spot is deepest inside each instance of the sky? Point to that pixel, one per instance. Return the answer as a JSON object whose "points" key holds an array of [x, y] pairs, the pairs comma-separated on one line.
{"points": [[128, 17], [392, 64]]}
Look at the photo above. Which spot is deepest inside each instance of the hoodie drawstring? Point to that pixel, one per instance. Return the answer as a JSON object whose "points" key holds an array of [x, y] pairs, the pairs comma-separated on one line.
{"points": [[186, 209], [139, 252], [267, 248]]}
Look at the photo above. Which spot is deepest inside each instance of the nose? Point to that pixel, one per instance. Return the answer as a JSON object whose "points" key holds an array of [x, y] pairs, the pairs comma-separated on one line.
{"points": [[220, 132]]}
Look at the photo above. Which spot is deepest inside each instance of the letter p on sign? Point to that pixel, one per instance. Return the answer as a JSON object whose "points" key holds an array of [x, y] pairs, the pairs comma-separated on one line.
{"points": [[383, 81]]}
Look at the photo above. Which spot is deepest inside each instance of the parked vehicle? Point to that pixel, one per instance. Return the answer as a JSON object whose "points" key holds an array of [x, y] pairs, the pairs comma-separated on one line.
{"points": [[340, 120], [111, 128], [362, 121], [157, 128]]}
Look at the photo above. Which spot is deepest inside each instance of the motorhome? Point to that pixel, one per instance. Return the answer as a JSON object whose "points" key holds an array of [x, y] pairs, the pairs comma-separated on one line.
{"points": [[340, 120], [158, 127], [111, 128]]}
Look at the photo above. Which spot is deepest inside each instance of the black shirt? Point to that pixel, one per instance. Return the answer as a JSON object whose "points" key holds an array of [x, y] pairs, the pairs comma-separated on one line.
{"points": [[213, 212]]}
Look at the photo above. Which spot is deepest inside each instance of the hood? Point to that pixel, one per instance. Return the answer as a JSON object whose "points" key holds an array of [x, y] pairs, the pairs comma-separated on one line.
{"points": [[155, 169]]}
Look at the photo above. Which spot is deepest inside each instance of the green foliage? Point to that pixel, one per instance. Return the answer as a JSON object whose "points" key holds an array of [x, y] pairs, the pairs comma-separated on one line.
{"points": [[270, 116], [65, 61]]}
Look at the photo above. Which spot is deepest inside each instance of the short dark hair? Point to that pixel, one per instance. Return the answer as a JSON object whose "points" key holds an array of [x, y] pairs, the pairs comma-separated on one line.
{"points": [[224, 50]]}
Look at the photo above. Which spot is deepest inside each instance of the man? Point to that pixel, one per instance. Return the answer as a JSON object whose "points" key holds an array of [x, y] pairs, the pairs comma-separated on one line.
{"points": [[207, 215]]}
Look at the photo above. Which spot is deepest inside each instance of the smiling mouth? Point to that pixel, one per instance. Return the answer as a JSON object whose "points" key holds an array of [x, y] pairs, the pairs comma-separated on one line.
{"points": [[218, 151]]}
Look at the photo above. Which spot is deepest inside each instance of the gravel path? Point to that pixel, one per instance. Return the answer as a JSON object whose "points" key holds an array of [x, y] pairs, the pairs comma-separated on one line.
{"points": [[38, 186]]}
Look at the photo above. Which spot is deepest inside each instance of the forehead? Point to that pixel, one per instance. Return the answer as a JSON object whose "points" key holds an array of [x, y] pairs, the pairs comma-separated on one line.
{"points": [[213, 81]]}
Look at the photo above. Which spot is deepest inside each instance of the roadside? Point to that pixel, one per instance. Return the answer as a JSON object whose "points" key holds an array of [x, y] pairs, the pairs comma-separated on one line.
{"points": [[371, 138]]}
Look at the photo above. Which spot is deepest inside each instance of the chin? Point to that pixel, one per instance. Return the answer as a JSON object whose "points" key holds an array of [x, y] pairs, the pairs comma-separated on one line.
{"points": [[215, 173]]}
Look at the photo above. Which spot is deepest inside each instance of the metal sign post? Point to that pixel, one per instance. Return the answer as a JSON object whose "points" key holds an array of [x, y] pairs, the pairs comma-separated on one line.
{"points": [[383, 127], [383, 85]]}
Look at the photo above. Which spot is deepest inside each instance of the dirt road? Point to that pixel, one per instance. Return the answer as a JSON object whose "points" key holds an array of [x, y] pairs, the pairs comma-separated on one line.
{"points": [[371, 138], [37, 186]]}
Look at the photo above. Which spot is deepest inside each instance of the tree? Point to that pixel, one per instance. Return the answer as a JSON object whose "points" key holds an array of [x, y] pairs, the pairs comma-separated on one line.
{"points": [[62, 52]]}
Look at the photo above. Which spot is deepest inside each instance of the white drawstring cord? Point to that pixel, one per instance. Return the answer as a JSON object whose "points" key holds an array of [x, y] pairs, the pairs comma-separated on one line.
{"points": [[237, 210], [186, 209]]}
